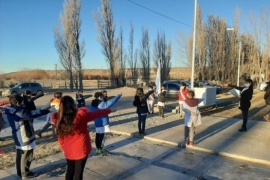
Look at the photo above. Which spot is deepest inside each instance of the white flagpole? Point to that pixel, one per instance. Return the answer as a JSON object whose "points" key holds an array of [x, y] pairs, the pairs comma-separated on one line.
{"points": [[193, 48], [158, 79]]}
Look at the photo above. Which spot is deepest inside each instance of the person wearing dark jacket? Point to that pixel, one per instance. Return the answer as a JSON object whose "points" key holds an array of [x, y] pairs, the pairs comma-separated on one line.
{"points": [[142, 108], [80, 99], [267, 101], [245, 98], [161, 101], [28, 100]]}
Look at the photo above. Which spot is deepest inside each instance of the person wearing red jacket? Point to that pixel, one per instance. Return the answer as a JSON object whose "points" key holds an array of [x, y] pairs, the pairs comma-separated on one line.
{"points": [[182, 95], [73, 135]]}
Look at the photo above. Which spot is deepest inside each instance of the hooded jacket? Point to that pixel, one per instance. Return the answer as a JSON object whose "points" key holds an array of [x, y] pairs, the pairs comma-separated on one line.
{"points": [[191, 106], [101, 104], [19, 119], [78, 145]]}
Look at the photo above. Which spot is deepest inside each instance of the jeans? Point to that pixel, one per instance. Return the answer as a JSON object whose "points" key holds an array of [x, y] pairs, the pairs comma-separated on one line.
{"points": [[99, 139], [75, 169], [245, 118], [23, 161], [141, 123]]}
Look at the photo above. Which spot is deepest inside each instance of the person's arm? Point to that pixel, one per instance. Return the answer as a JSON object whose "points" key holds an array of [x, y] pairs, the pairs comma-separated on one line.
{"points": [[236, 87], [36, 97], [136, 101], [112, 101], [148, 94], [87, 96], [92, 115], [4, 103]]}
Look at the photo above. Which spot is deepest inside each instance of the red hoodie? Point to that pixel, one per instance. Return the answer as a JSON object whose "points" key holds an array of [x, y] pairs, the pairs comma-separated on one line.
{"points": [[78, 146]]}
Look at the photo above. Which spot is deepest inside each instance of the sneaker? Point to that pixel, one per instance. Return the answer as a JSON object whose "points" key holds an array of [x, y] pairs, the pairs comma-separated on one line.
{"points": [[104, 152], [144, 134], [267, 118], [30, 174], [98, 152], [192, 143], [39, 134], [187, 143]]}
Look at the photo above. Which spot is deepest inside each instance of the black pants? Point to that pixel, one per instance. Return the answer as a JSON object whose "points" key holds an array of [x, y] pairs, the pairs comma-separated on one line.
{"points": [[99, 139], [23, 161], [141, 123], [245, 118], [75, 169]]}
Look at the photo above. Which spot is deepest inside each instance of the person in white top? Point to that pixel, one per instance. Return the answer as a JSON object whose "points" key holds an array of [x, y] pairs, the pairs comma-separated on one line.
{"points": [[151, 100]]}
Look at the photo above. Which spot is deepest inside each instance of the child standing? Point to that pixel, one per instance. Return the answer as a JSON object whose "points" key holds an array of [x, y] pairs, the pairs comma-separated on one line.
{"points": [[53, 106], [192, 117], [161, 101], [102, 123], [20, 122], [182, 95], [73, 135], [142, 109], [80, 99], [151, 100]]}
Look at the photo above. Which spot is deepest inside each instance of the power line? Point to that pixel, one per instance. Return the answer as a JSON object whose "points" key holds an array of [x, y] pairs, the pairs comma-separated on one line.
{"points": [[160, 14]]}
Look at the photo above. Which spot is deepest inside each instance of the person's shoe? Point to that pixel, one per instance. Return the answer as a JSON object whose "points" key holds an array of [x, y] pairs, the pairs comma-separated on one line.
{"points": [[104, 152], [191, 143], [144, 134], [98, 152], [39, 134], [242, 129], [267, 118], [30, 174], [187, 143]]}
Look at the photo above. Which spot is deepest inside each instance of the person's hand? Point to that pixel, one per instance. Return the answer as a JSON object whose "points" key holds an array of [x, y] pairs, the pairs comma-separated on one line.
{"points": [[194, 114], [120, 94]]}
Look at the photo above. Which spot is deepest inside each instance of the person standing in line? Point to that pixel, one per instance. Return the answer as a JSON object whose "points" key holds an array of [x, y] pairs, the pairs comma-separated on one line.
{"points": [[161, 101], [182, 95], [142, 109], [245, 98], [80, 99], [73, 136], [53, 106], [105, 95], [102, 124], [151, 100], [192, 117], [20, 121], [267, 101]]}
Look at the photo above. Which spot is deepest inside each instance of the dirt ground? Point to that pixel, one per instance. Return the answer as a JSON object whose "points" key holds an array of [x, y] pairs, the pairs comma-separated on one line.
{"points": [[48, 146]]}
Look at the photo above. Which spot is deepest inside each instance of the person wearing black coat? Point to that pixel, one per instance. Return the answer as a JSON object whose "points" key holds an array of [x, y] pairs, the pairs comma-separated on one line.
{"points": [[267, 101], [245, 98], [161, 101], [80, 99], [28, 100], [142, 108]]}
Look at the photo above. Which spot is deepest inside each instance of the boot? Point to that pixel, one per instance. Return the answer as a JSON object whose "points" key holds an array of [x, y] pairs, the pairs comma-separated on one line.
{"points": [[267, 118], [243, 129]]}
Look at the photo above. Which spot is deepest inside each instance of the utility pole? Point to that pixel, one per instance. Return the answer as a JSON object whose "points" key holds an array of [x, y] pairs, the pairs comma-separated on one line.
{"points": [[55, 71]]}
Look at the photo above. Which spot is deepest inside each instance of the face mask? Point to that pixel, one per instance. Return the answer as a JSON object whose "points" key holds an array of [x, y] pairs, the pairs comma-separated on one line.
{"points": [[247, 84]]}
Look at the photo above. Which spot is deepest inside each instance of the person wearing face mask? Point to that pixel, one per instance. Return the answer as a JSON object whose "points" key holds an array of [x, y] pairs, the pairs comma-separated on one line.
{"points": [[245, 98], [182, 95]]}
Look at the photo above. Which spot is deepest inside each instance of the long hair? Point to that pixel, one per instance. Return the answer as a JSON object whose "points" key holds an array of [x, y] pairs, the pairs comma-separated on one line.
{"points": [[66, 115], [139, 92]]}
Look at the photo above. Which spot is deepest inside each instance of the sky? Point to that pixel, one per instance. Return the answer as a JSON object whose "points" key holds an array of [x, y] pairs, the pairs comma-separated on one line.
{"points": [[27, 38]]}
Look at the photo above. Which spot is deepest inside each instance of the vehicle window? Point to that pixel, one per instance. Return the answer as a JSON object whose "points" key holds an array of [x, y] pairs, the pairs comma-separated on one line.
{"points": [[173, 87], [34, 85], [25, 85]]}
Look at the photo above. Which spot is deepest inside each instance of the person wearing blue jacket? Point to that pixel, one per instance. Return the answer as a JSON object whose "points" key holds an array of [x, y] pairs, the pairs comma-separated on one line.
{"points": [[142, 108], [20, 120], [102, 124]]}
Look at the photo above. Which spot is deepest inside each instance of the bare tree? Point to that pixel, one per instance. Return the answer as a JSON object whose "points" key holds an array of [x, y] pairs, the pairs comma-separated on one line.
{"points": [[145, 54], [106, 26], [132, 61], [163, 53]]}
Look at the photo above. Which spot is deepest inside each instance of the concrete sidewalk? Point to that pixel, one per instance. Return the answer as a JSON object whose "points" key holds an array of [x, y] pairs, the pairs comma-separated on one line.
{"points": [[159, 154], [216, 135]]}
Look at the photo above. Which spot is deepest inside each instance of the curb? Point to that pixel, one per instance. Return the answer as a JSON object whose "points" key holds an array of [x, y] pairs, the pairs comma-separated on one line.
{"points": [[223, 154]]}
